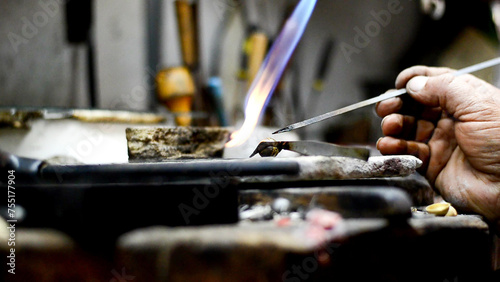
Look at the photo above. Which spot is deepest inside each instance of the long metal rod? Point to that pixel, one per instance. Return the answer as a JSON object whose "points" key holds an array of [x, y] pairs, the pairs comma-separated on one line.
{"points": [[385, 96], [33, 171]]}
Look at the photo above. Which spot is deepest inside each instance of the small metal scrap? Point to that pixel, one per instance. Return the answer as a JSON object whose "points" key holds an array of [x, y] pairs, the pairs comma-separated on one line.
{"points": [[441, 209], [271, 148]]}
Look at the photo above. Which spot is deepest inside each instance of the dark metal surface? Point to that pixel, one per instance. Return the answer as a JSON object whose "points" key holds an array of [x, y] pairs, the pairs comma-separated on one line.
{"points": [[39, 172], [96, 214], [97, 203], [350, 201], [163, 172], [416, 186]]}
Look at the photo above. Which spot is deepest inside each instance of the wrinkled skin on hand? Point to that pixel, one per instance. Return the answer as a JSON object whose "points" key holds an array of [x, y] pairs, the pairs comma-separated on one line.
{"points": [[453, 125]]}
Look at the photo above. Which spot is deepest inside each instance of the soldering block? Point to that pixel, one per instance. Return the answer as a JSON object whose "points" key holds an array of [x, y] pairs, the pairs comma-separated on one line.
{"points": [[156, 144]]}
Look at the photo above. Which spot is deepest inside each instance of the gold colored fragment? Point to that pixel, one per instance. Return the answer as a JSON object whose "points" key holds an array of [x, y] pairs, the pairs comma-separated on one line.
{"points": [[442, 209], [439, 209], [451, 211]]}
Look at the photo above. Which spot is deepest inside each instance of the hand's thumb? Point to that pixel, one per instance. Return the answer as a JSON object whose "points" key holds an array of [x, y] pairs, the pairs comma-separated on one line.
{"points": [[416, 84], [431, 91]]}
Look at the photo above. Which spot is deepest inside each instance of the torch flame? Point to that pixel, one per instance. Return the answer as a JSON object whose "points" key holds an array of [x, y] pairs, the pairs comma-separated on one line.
{"points": [[271, 70]]}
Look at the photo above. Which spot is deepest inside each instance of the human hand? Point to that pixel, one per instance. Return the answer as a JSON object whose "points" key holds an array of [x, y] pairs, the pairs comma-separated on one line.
{"points": [[453, 125]]}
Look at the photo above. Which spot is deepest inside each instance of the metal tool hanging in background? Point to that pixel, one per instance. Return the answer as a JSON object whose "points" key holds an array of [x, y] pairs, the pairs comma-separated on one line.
{"points": [[257, 42], [176, 86], [187, 26], [78, 15], [253, 51], [179, 88]]}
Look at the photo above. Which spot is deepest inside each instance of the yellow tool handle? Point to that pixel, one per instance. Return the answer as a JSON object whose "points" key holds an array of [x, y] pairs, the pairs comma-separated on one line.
{"points": [[258, 48], [187, 32], [176, 90]]}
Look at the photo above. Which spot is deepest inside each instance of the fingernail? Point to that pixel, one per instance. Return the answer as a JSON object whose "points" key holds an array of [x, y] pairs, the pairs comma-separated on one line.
{"points": [[417, 83], [382, 122], [376, 146]]}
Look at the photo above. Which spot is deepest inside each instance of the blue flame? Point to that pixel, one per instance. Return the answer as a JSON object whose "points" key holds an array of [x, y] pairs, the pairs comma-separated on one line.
{"points": [[277, 59], [272, 68]]}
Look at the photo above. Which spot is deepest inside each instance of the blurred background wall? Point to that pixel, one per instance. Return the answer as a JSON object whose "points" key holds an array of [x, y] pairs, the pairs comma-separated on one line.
{"points": [[132, 40]]}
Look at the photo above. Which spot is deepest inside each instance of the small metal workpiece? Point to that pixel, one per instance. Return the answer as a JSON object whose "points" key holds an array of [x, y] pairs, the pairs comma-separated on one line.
{"points": [[271, 148]]}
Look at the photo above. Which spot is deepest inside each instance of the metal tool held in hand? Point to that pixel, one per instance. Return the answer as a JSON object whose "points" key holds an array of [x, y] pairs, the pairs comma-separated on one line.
{"points": [[271, 148], [392, 94]]}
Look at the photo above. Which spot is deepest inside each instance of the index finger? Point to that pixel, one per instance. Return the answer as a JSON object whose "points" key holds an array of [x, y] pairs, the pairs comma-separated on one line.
{"points": [[410, 73], [405, 105]]}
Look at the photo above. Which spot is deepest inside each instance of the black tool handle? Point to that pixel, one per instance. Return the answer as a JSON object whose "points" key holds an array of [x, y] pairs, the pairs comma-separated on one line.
{"points": [[25, 169]]}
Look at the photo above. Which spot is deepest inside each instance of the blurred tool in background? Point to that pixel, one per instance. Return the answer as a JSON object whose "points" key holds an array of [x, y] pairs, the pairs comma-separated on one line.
{"points": [[257, 46], [176, 89], [261, 26], [213, 88], [207, 98], [78, 25], [257, 50], [177, 86], [187, 25], [269, 74], [241, 78], [253, 34]]}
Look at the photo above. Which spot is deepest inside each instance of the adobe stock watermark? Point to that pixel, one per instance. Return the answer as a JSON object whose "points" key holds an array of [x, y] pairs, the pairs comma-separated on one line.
{"points": [[121, 277], [310, 264], [30, 26], [218, 181], [222, 7], [363, 36]]}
